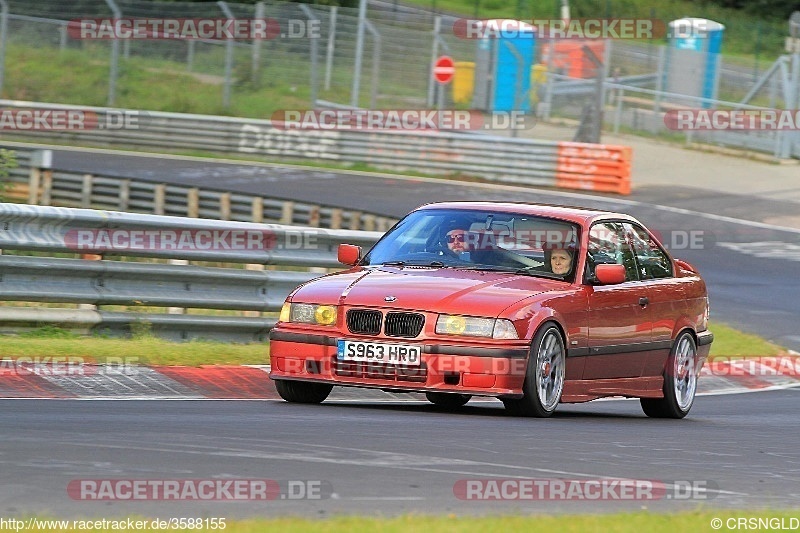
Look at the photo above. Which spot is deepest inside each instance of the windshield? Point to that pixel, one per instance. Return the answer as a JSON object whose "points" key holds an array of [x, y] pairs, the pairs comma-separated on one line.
{"points": [[480, 240]]}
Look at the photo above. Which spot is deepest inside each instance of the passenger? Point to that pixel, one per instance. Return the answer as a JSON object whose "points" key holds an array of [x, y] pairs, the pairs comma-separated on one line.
{"points": [[560, 260]]}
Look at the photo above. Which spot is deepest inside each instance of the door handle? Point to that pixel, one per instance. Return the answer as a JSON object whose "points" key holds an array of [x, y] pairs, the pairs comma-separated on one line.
{"points": [[643, 301]]}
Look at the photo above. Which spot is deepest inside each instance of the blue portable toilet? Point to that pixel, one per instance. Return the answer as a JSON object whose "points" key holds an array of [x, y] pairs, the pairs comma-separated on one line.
{"points": [[693, 57], [503, 62]]}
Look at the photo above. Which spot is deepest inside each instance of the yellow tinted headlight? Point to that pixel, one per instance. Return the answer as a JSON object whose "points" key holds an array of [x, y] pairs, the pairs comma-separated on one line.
{"points": [[325, 315], [464, 325], [322, 315], [475, 327]]}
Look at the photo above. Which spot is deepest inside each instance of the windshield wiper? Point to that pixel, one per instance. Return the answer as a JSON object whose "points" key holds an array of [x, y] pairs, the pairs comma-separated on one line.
{"points": [[433, 264]]}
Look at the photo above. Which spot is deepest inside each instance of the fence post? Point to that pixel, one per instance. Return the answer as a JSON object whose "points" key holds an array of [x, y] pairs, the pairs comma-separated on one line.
{"points": [[3, 40], [376, 63], [437, 27], [113, 70], [226, 86], [362, 18], [314, 81], [256, 49], [62, 38], [331, 47], [189, 54]]}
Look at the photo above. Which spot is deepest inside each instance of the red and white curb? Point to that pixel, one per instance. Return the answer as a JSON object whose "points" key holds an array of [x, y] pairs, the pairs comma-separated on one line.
{"points": [[251, 382]]}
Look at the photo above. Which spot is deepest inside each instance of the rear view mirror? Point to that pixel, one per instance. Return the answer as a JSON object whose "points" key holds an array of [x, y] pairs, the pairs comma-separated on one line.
{"points": [[349, 254], [610, 274]]}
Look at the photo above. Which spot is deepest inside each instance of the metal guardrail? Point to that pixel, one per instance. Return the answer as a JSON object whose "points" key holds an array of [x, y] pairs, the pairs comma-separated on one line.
{"points": [[95, 281], [503, 159], [38, 183]]}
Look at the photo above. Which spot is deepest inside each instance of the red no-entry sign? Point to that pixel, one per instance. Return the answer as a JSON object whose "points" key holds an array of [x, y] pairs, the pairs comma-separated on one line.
{"points": [[444, 69]]}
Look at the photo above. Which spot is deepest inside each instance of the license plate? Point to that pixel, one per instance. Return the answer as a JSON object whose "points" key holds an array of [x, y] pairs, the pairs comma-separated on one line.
{"points": [[378, 352]]}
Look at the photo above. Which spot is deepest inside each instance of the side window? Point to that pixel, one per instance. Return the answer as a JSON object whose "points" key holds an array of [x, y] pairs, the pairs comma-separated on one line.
{"points": [[608, 245], [652, 262]]}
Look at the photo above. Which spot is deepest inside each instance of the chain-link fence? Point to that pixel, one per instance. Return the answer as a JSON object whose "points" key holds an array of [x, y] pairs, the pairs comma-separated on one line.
{"points": [[323, 56]]}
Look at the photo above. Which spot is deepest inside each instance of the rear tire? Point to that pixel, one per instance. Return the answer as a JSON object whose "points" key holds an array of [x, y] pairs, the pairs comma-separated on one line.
{"points": [[544, 378], [302, 391], [680, 381], [447, 400]]}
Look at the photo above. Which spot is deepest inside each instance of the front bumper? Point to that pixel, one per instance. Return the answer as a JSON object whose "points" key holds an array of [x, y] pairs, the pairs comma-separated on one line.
{"points": [[465, 368]]}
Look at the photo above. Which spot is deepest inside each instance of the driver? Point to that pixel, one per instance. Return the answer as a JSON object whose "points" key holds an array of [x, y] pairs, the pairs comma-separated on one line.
{"points": [[456, 241]]}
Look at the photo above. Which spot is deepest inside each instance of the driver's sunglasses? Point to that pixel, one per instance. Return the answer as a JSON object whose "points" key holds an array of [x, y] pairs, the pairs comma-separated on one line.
{"points": [[456, 237]]}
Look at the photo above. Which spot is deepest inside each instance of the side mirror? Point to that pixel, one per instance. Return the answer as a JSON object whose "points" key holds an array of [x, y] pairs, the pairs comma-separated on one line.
{"points": [[349, 254], [610, 274]]}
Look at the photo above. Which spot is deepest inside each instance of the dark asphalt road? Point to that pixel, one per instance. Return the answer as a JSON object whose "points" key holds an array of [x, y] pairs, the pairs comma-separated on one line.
{"points": [[755, 293], [388, 459]]}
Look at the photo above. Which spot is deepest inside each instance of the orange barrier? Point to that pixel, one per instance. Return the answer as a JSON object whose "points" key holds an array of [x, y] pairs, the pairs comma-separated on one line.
{"points": [[568, 57], [594, 167]]}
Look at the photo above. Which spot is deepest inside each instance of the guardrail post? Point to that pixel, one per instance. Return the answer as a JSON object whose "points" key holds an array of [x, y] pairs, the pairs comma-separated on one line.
{"points": [[225, 206], [41, 162], [355, 220], [383, 224], [86, 191], [336, 219], [257, 209], [177, 310], [124, 194], [47, 188], [193, 202], [34, 182], [369, 222], [287, 213], [256, 267], [313, 216], [257, 215]]}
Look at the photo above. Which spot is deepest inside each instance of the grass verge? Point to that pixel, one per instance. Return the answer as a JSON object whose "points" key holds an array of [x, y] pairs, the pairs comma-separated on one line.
{"points": [[142, 350], [148, 350], [609, 523]]}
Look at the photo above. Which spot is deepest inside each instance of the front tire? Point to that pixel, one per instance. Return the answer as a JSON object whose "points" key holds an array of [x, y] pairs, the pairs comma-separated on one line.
{"points": [[302, 391], [447, 400], [680, 381], [544, 378]]}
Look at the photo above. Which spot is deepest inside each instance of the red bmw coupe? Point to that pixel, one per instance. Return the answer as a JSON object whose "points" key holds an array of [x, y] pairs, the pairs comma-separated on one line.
{"points": [[531, 304]]}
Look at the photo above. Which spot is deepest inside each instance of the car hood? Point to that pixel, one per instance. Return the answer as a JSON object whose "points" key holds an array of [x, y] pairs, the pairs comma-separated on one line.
{"points": [[445, 290]]}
